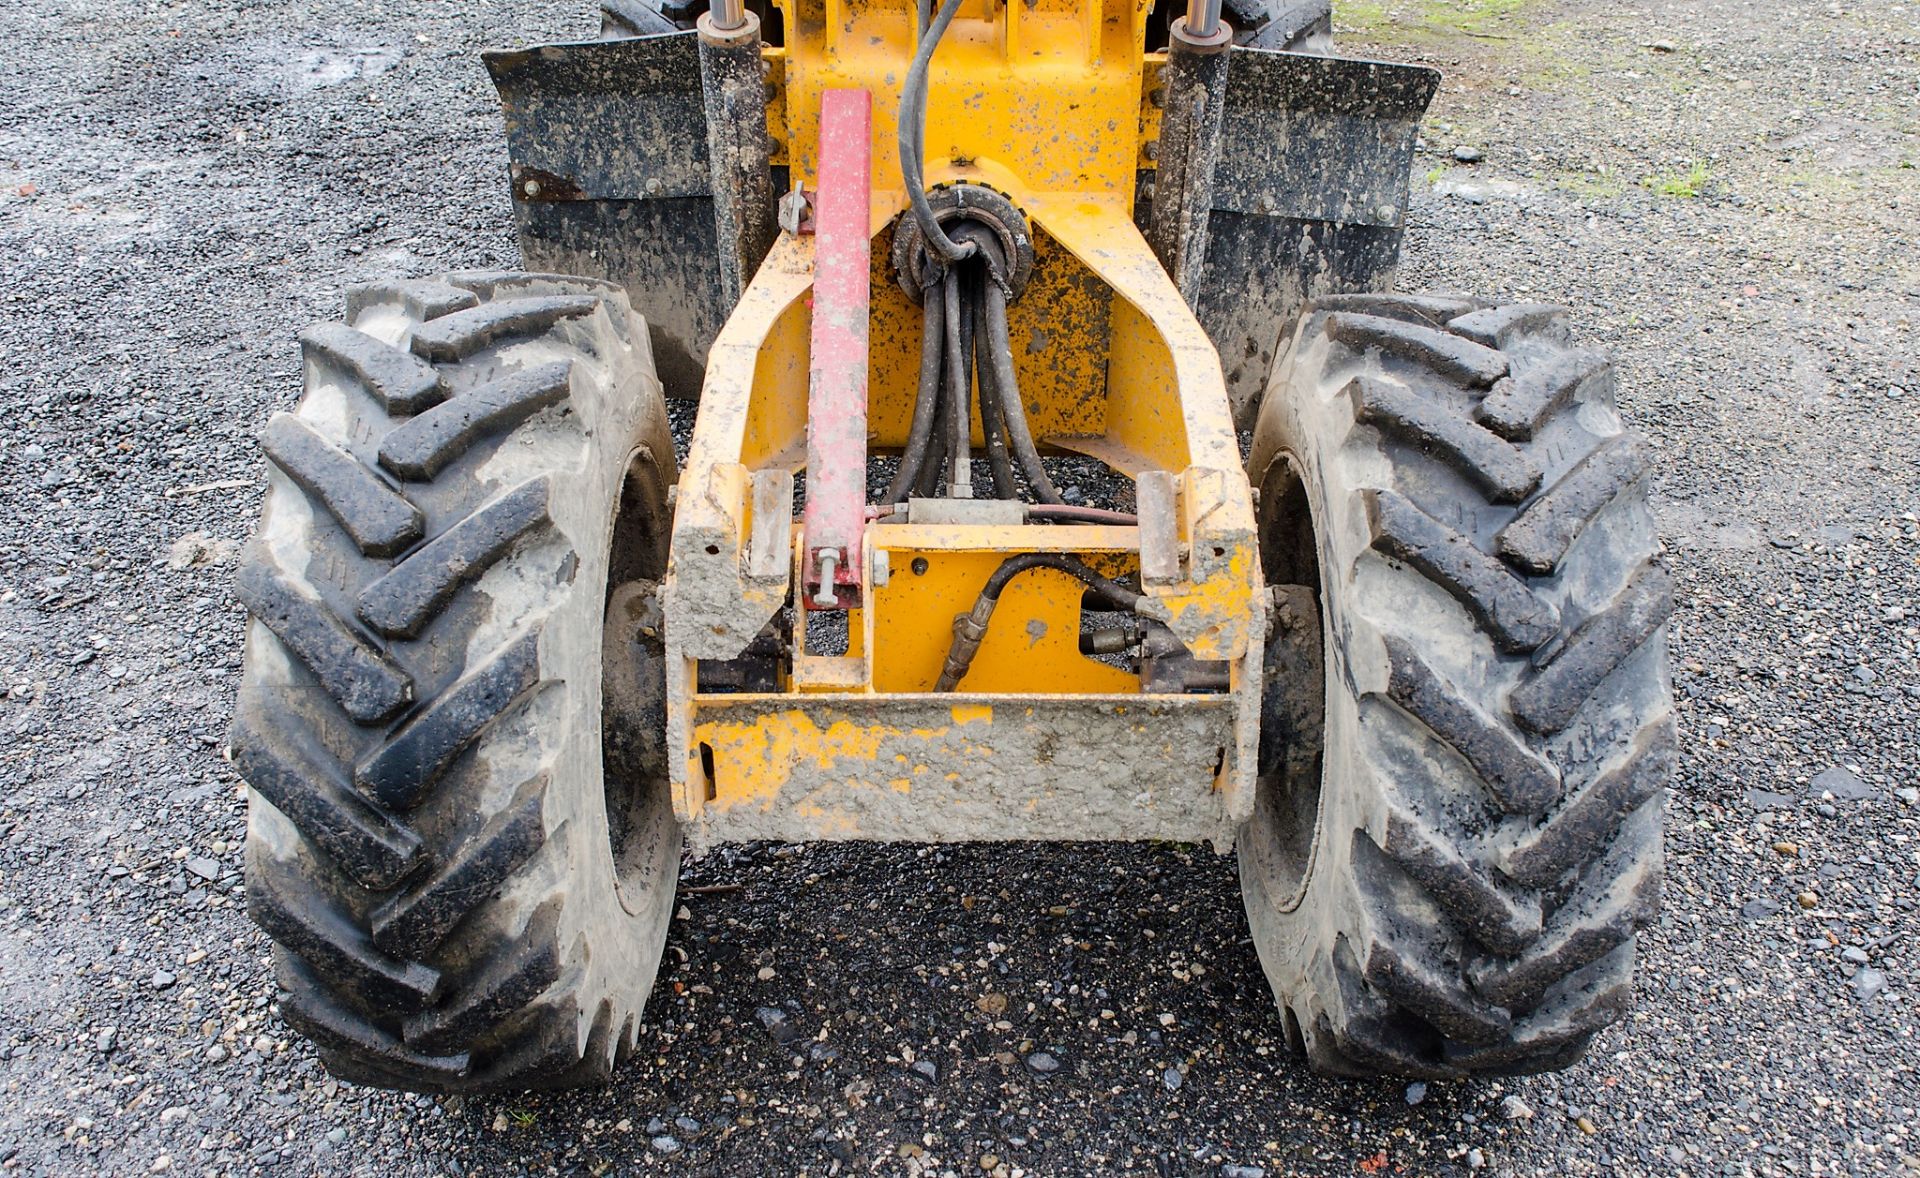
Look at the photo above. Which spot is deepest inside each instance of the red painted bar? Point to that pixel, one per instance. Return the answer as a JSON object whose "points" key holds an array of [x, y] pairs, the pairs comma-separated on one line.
{"points": [[835, 513]]}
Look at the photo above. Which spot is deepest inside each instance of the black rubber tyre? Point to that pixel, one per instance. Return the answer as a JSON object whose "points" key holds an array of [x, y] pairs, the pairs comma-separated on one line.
{"points": [[1456, 839], [620, 19], [462, 900], [1300, 26], [1297, 26]]}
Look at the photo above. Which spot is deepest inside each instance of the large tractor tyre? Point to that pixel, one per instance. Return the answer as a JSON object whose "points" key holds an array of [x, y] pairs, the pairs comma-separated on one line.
{"points": [[620, 19], [1297, 26], [1467, 727], [462, 898]]}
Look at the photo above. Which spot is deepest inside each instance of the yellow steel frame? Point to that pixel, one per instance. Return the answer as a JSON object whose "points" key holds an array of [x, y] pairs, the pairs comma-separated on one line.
{"points": [[1048, 103]]}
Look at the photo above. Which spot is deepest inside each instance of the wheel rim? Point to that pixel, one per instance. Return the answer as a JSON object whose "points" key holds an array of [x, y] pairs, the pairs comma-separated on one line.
{"points": [[1291, 793], [633, 677]]}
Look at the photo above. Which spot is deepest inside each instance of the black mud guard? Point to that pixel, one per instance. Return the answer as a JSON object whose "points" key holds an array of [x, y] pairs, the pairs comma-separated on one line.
{"points": [[610, 180], [1309, 196]]}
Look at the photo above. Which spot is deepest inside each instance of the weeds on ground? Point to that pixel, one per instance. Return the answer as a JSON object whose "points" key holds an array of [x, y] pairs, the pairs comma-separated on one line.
{"points": [[1468, 16], [1428, 18], [1602, 183], [1680, 185]]}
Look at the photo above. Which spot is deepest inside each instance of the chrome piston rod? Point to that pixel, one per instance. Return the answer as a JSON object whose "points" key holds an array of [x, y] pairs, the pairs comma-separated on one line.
{"points": [[1203, 16]]}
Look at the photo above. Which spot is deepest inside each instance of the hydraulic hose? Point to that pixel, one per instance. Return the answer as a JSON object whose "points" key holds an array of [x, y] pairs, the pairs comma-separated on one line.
{"points": [[1007, 387], [926, 400], [969, 629], [928, 482], [1067, 513], [990, 270], [959, 397], [1116, 593], [971, 301], [912, 139], [999, 464]]}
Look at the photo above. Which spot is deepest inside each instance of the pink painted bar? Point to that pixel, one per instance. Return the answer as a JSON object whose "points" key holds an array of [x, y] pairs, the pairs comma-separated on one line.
{"points": [[835, 514]]}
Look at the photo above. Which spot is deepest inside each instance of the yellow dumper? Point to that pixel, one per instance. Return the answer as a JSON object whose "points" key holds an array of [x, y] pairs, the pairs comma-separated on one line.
{"points": [[1064, 469]]}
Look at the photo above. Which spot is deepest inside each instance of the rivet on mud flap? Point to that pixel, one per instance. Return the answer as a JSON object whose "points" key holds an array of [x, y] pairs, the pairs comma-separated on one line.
{"points": [[506, 655]]}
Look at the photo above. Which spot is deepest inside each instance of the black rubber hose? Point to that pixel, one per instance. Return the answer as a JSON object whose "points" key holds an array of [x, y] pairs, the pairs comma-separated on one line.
{"points": [[920, 430], [999, 464], [1007, 387], [928, 483], [1118, 595], [912, 136], [959, 394], [970, 629], [990, 271], [1065, 513]]}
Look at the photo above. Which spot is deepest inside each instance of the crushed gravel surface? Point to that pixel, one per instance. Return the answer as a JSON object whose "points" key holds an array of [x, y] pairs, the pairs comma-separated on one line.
{"points": [[1726, 195]]}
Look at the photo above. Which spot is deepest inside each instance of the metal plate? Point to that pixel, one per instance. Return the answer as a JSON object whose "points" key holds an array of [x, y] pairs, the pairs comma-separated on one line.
{"points": [[956, 768], [610, 180], [614, 120], [1319, 138], [1309, 196]]}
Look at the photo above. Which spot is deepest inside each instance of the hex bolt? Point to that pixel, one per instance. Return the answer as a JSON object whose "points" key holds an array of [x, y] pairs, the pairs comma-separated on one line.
{"points": [[793, 209], [824, 597], [531, 188]]}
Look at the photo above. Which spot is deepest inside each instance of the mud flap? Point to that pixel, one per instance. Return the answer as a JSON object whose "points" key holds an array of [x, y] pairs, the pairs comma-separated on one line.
{"points": [[1309, 197], [611, 180]]}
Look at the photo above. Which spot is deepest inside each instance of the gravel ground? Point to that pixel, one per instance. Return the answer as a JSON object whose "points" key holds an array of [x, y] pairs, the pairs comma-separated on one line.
{"points": [[183, 185]]}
